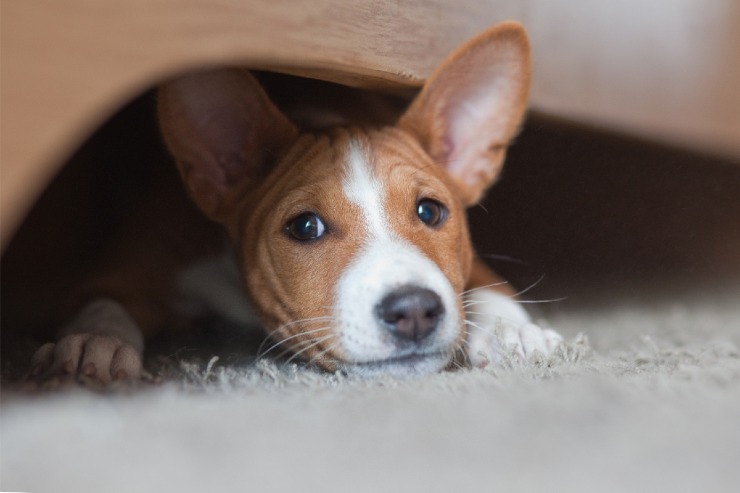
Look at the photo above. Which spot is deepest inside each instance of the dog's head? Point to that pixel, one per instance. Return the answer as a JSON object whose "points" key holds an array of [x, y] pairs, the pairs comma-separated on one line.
{"points": [[353, 242]]}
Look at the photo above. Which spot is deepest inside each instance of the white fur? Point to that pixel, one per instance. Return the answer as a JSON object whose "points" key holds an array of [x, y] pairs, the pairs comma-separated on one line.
{"points": [[498, 325], [214, 285], [365, 191], [384, 263]]}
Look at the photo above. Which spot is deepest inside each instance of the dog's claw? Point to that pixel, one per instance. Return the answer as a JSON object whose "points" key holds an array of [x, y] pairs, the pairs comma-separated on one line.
{"points": [[89, 370], [120, 375]]}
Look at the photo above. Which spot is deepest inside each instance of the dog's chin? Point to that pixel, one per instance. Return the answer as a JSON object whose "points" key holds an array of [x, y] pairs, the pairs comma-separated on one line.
{"points": [[408, 366]]}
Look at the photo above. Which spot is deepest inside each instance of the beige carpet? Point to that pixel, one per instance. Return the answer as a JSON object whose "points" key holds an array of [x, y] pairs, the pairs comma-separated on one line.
{"points": [[646, 399]]}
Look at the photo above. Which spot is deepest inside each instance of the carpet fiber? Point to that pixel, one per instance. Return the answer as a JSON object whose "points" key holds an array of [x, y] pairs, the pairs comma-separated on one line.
{"points": [[641, 398]]}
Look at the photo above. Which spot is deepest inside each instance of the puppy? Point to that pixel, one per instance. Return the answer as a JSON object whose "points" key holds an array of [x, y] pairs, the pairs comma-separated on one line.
{"points": [[350, 242]]}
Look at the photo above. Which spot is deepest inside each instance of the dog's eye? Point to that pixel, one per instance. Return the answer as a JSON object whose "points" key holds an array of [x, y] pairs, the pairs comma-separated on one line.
{"points": [[306, 227], [431, 212]]}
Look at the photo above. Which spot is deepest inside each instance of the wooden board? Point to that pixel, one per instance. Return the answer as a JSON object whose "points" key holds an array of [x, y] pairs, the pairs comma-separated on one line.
{"points": [[666, 71], [66, 66]]}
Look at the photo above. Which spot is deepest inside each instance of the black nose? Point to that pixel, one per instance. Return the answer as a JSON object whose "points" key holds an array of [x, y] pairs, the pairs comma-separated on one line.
{"points": [[410, 313]]}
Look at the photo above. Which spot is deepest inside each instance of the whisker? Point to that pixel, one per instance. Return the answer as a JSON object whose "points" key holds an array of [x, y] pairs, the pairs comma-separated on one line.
{"points": [[453, 358], [290, 324], [299, 344], [315, 343], [476, 303], [468, 303], [531, 286], [301, 321], [470, 323], [261, 354], [479, 327], [500, 283], [504, 258], [459, 354], [322, 353], [554, 300]]}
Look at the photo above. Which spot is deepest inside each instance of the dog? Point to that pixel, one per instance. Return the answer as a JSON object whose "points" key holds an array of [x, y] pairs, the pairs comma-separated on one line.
{"points": [[350, 242]]}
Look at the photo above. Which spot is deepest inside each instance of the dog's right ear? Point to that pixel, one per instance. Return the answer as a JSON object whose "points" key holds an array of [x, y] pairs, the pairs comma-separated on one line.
{"points": [[223, 132]]}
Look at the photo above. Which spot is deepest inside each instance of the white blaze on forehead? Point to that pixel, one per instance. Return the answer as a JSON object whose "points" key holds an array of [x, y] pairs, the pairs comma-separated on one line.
{"points": [[363, 189], [384, 263]]}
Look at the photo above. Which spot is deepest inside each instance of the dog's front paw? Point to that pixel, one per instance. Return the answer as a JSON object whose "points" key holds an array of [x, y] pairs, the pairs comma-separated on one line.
{"points": [[86, 357], [498, 328], [504, 339], [102, 344]]}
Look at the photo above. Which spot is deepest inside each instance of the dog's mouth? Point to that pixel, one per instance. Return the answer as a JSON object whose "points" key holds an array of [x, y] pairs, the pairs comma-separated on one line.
{"points": [[409, 365]]}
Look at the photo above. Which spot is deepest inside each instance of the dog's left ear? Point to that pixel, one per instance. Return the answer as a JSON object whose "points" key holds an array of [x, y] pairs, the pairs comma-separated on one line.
{"points": [[471, 107]]}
